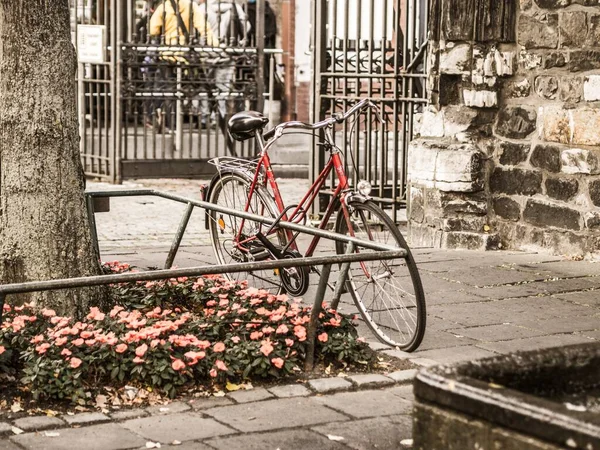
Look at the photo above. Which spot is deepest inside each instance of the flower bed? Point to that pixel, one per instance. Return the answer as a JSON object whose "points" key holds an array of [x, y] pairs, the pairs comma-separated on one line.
{"points": [[167, 335]]}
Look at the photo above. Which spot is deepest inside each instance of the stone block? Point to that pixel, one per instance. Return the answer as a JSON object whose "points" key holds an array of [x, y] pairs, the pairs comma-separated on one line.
{"points": [[452, 206], [591, 88], [468, 241], [584, 60], [253, 395], [546, 86], [504, 63], [367, 403], [546, 157], [580, 161], [571, 89], [86, 418], [517, 88], [561, 188], [285, 439], [507, 208], [459, 118], [554, 124], [210, 402], [403, 376], [573, 28], [594, 31], [480, 99], [538, 31], [515, 122], [432, 124], [554, 59], [467, 223], [326, 385], [455, 59], [594, 190], [552, 4], [547, 215], [127, 414], [516, 182], [171, 408], [592, 221], [37, 423], [290, 390], [528, 60], [5, 428], [511, 154], [585, 126], [445, 166], [416, 205], [371, 380], [375, 433]]}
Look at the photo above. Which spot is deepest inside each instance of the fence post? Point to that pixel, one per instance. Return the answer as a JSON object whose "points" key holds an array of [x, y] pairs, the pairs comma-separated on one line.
{"points": [[341, 282], [311, 334], [260, 53]]}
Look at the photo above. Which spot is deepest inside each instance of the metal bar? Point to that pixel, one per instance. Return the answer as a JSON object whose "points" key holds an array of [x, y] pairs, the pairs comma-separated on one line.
{"points": [[244, 215], [99, 280], [311, 334], [341, 281], [260, 50], [179, 236]]}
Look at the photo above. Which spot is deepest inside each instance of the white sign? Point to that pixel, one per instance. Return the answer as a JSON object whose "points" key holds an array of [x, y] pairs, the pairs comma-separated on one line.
{"points": [[91, 43]]}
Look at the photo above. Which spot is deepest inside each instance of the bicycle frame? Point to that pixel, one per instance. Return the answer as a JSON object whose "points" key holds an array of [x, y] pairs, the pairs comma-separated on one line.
{"points": [[300, 212]]}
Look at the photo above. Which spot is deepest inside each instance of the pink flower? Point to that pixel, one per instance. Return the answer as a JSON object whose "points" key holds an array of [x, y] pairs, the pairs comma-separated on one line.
{"points": [[116, 310], [256, 335], [2, 349], [95, 314], [300, 332], [75, 363], [141, 350], [219, 347], [268, 330], [60, 341], [138, 360], [66, 352], [36, 340], [194, 357], [178, 364], [86, 334], [277, 362], [235, 339], [335, 322], [213, 372], [48, 312], [289, 342], [221, 365], [266, 348], [42, 348], [121, 348], [282, 329], [78, 342], [323, 337]]}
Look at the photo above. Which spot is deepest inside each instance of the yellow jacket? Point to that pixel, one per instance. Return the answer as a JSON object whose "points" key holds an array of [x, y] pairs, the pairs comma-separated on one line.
{"points": [[173, 34]]}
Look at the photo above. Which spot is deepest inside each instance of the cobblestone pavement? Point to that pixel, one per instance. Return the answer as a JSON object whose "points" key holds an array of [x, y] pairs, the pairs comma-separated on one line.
{"points": [[479, 304]]}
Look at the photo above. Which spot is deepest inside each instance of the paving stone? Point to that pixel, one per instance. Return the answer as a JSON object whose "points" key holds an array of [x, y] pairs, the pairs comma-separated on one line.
{"points": [[288, 440], [274, 414], [424, 362], [492, 276], [534, 343], [127, 414], [326, 385], [189, 445], [5, 427], [368, 433], [290, 390], [364, 404], [402, 376], [85, 418], [398, 354], [36, 423], [209, 402], [171, 408], [252, 395], [377, 346], [583, 298], [181, 427], [455, 355], [446, 297], [501, 332], [444, 339], [405, 392], [107, 436], [560, 325], [371, 380], [8, 445]]}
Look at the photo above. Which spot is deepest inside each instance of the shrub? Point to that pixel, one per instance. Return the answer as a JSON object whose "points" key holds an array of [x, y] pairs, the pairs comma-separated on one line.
{"points": [[168, 334]]}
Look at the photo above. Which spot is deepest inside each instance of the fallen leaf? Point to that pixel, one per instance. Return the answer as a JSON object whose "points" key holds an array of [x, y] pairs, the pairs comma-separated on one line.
{"points": [[232, 387], [163, 409], [101, 401], [51, 434], [219, 394], [151, 444], [406, 442], [16, 407], [16, 430], [51, 413], [333, 437], [176, 443], [572, 407]]}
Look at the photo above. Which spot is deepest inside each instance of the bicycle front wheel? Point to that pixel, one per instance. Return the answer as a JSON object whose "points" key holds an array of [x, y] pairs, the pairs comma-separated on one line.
{"points": [[233, 238], [388, 294]]}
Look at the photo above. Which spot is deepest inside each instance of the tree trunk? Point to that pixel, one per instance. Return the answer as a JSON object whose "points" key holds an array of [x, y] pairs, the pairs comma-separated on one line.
{"points": [[44, 230]]}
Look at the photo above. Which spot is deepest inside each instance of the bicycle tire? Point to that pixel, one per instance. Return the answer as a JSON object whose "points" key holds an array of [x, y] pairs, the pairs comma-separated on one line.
{"points": [[262, 204], [388, 312]]}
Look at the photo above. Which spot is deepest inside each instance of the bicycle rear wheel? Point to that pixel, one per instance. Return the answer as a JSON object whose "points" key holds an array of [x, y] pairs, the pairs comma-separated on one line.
{"points": [[231, 190], [388, 294]]}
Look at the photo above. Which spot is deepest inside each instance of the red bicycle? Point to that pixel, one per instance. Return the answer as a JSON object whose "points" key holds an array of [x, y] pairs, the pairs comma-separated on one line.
{"points": [[388, 294]]}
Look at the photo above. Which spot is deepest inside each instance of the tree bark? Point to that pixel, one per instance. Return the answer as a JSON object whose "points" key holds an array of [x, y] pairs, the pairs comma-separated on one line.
{"points": [[44, 230]]}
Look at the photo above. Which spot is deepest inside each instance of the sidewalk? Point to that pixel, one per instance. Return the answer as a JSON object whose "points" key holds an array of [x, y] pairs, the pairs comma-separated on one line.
{"points": [[479, 304]]}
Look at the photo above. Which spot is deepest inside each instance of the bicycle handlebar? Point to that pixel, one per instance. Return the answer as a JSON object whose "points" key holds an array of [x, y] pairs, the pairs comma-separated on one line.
{"points": [[337, 118]]}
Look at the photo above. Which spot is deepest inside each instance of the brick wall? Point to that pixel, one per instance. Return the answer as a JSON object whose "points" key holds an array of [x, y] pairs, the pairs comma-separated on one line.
{"points": [[528, 109]]}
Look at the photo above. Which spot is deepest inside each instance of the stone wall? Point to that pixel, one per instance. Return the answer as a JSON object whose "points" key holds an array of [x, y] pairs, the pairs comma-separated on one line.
{"points": [[509, 149]]}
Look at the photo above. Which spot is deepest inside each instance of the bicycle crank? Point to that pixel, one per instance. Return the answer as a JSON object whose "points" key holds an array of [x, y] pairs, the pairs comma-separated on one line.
{"points": [[295, 280]]}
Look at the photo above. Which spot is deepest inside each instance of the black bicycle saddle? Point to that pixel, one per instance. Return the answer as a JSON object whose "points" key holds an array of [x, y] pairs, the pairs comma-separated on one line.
{"points": [[244, 125]]}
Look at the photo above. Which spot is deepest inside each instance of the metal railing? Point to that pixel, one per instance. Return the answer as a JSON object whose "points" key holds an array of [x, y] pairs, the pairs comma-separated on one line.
{"points": [[381, 252]]}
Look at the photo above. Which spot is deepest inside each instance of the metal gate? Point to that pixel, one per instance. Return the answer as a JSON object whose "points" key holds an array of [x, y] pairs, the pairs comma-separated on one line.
{"points": [[371, 49], [156, 90]]}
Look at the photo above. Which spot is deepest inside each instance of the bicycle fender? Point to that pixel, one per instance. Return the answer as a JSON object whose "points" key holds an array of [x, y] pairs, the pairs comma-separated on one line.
{"points": [[355, 197]]}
